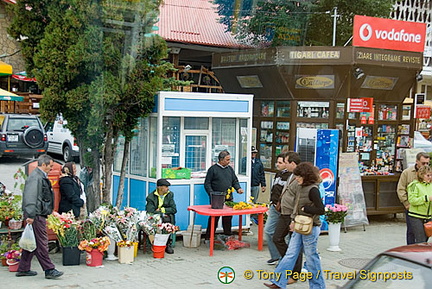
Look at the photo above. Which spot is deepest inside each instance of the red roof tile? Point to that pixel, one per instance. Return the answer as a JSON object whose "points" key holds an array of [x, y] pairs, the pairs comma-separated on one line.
{"points": [[194, 22]]}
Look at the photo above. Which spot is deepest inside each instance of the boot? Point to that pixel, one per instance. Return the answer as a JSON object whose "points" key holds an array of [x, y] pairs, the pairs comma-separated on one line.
{"points": [[169, 249]]}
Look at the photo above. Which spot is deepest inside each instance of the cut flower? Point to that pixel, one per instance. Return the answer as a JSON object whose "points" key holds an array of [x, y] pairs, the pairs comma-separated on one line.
{"points": [[336, 214]]}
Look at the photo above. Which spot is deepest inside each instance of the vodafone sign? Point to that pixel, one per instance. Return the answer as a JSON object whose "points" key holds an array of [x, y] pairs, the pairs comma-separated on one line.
{"points": [[389, 34]]}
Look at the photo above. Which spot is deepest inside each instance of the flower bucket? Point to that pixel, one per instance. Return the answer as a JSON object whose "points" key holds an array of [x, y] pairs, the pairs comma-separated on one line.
{"points": [[4, 262], [135, 244], [13, 265], [71, 256], [161, 239], [334, 237], [217, 200], [158, 251], [126, 254], [94, 258]]}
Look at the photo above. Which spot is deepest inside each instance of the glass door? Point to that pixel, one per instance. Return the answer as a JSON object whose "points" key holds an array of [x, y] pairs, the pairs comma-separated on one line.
{"points": [[196, 152]]}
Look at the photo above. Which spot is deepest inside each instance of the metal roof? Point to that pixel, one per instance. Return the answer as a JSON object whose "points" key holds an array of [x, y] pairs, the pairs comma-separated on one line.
{"points": [[194, 22]]}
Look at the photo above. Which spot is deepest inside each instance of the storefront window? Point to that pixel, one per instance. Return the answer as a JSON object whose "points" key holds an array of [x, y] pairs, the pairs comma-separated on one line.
{"points": [[267, 108], [118, 157], [138, 154], [283, 108], [171, 142], [196, 123], [340, 110], [152, 144], [266, 155], [313, 109], [266, 131], [243, 135], [223, 138]]}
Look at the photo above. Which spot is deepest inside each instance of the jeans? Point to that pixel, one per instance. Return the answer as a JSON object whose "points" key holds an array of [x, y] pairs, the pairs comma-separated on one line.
{"points": [[410, 238], [417, 229], [269, 230], [309, 244], [255, 193]]}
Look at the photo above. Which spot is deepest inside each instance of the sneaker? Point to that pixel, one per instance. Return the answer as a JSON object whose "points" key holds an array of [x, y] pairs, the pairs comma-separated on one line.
{"points": [[53, 274], [272, 261], [169, 250], [26, 273]]}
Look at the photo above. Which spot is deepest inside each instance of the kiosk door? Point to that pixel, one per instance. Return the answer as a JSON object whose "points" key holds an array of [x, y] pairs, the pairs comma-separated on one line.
{"points": [[196, 153]]}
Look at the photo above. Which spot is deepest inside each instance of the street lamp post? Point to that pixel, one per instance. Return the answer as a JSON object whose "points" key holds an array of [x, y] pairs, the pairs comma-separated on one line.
{"points": [[335, 16]]}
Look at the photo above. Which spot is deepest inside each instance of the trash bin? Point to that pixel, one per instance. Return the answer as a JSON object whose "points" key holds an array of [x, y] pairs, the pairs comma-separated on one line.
{"points": [[217, 200]]}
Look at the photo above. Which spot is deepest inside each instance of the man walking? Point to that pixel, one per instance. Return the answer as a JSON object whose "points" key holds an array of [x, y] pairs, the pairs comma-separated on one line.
{"points": [[38, 203], [220, 177], [273, 214], [407, 176]]}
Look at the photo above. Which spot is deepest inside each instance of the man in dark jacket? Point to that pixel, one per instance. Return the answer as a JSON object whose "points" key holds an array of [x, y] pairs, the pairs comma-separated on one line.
{"points": [[38, 203], [161, 201], [221, 177], [257, 174]]}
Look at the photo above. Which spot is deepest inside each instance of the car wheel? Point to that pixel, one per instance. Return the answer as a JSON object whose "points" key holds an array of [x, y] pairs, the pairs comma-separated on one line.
{"points": [[67, 154], [33, 137]]}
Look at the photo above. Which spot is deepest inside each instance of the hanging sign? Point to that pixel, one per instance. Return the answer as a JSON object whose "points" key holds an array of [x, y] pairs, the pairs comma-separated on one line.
{"points": [[364, 104], [422, 111], [389, 34]]}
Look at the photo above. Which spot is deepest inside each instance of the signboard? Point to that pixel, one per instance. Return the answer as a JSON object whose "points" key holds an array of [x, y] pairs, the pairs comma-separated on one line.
{"points": [[422, 111], [389, 34], [350, 190], [364, 104], [315, 81]]}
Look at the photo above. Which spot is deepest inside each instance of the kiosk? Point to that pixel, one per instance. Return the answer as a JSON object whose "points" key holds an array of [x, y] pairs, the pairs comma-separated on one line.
{"points": [[179, 141]]}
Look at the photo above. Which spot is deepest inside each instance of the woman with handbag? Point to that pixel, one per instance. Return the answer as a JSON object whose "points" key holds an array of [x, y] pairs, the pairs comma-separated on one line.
{"points": [[420, 198], [308, 207]]}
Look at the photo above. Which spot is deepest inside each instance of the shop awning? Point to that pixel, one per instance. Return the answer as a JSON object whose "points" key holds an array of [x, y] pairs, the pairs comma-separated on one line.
{"points": [[5, 69], [23, 77], [6, 95]]}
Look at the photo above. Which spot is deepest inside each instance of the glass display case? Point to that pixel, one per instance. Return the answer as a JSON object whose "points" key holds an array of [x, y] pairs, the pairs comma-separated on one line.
{"points": [[267, 108], [387, 112], [385, 148], [313, 109]]}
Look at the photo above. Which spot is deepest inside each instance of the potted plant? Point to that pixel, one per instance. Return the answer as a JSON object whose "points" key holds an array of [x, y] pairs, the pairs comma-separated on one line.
{"points": [[67, 230], [335, 215], [95, 249], [13, 258], [6, 244], [10, 208]]}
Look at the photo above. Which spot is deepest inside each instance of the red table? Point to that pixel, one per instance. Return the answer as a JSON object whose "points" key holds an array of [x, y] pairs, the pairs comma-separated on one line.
{"points": [[206, 210]]}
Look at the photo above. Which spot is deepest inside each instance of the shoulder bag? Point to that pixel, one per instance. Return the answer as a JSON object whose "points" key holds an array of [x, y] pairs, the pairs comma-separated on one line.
{"points": [[302, 224], [428, 226]]}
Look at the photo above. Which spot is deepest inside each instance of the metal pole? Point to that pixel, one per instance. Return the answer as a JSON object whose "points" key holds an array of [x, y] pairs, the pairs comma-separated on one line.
{"points": [[334, 25]]}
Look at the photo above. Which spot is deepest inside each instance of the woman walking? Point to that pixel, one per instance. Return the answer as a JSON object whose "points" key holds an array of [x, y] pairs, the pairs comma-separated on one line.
{"points": [[309, 203], [420, 198]]}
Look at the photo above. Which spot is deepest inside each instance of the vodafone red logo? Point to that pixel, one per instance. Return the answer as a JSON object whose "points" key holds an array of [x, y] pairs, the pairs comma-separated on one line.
{"points": [[389, 34]]}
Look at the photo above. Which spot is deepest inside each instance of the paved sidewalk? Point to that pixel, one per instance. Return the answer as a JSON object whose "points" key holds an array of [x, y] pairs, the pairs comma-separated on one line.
{"points": [[193, 268]]}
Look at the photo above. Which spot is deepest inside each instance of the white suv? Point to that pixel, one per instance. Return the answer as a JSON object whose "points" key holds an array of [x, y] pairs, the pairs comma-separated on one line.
{"points": [[61, 140]]}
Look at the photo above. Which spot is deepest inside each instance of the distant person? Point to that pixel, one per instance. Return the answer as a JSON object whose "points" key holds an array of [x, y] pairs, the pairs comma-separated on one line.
{"points": [[257, 174], [420, 198], [161, 201], [38, 203], [407, 176], [273, 214], [220, 177], [309, 203], [71, 191]]}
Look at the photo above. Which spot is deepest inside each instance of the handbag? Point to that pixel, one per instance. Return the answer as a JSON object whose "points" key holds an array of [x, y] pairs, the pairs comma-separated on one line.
{"points": [[302, 224], [428, 226]]}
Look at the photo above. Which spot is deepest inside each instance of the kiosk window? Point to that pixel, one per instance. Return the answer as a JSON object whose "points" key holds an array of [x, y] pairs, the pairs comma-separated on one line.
{"points": [[223, 138]]}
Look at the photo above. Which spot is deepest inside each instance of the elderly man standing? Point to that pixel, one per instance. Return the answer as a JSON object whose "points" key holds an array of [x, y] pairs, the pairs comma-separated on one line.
{"points": [[161, 201], [38, 203], [407, 176], [220, 177]]}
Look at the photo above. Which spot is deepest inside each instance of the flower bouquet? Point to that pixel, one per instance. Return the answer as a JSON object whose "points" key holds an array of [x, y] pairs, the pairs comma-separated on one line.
{"points": [[150, 224], [101, 244], [336, 214], [12, 257], [65, 227], [126, 221]]}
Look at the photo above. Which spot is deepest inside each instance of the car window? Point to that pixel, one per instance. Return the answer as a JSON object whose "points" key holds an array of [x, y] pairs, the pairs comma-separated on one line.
{"points": [[20, 124], [49, 126], [398, 273]]}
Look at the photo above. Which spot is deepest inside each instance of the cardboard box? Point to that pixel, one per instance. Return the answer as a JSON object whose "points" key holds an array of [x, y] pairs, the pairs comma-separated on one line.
{"points": [[193, 242], [173, 173], [126, 254]]}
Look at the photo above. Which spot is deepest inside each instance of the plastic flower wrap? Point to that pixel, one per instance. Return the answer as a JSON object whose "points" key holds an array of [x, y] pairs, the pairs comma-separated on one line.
{"points": [[336, 214], [167, 228], [149, 224], [101, 244], [113, 232], [103, 216], [65, 227], [126, 222]]}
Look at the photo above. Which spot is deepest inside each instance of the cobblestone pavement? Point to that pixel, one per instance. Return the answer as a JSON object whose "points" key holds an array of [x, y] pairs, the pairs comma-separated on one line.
{"points": [[194, 268]]}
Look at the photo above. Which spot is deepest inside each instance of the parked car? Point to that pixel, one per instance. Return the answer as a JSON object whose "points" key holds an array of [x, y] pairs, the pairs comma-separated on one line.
{"points": [[22, 135], [421, 142], [60, 140], [407, 266]]}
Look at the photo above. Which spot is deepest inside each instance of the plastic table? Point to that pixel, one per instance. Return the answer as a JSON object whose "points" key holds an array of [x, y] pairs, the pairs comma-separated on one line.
{"points": [[206, 210]]}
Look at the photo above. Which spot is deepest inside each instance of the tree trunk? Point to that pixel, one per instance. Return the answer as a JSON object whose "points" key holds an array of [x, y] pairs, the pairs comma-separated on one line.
{"points": [[123, 174], [93, 186], [107, 163]]}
